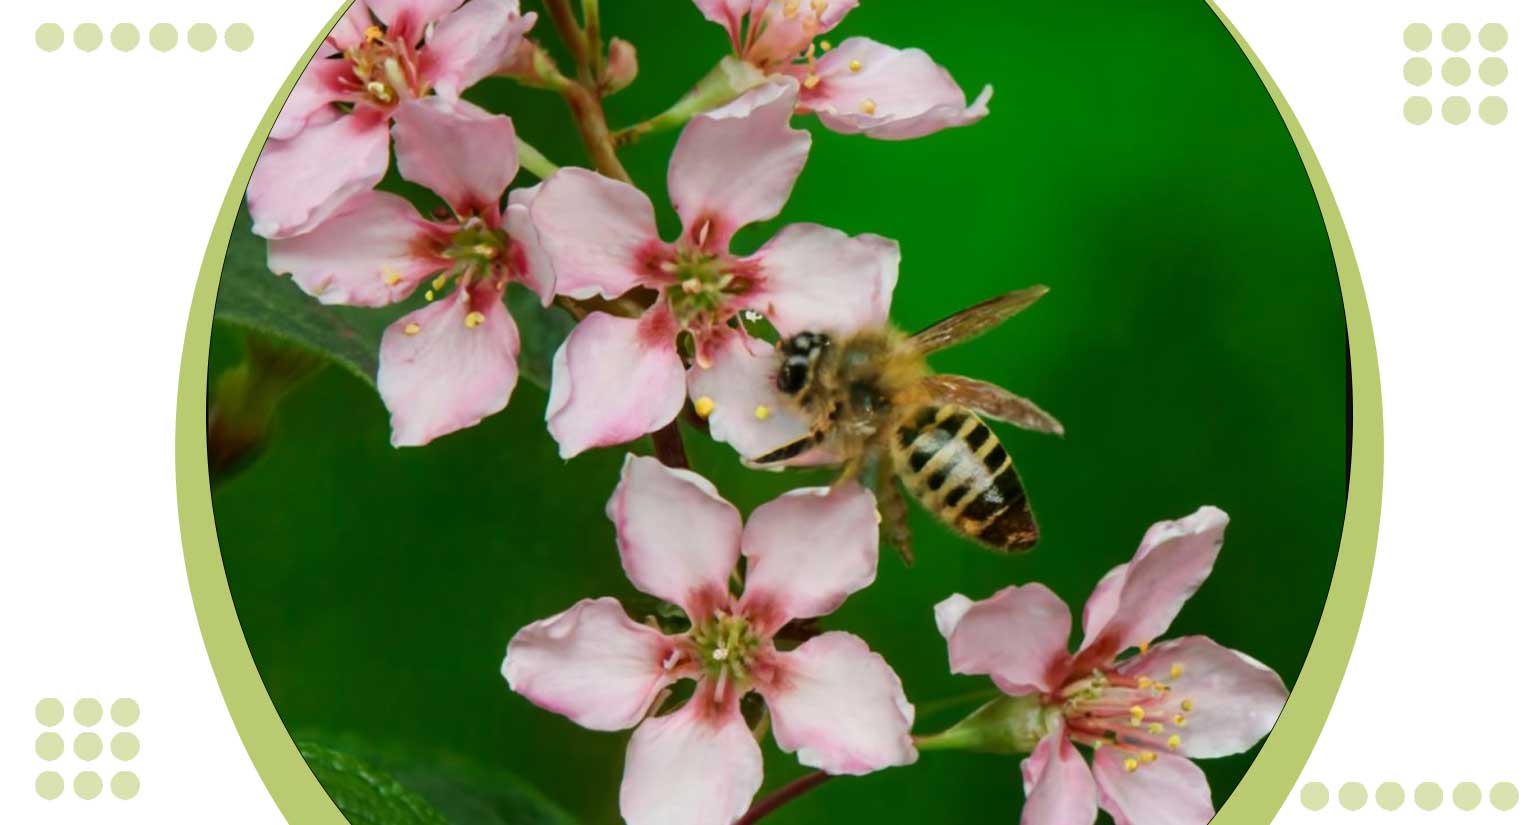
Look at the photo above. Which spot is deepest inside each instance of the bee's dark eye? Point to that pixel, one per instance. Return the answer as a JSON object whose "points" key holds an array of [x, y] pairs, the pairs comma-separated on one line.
{"points": [[793, 373]]}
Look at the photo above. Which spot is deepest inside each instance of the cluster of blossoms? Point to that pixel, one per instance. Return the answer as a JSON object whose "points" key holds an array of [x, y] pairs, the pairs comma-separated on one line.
{"points": [[660, 321]]}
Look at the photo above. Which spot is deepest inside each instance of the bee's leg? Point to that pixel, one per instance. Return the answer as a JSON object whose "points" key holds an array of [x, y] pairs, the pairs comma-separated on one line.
{"points": [[785, 452], [894, 529]]}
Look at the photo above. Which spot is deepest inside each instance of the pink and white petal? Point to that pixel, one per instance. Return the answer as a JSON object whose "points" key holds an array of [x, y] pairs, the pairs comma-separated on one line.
{"points": [[839, 707], [1018, 637], [369, 253], [408, 19], [807, 551], [1138, 605], [472, 43], [1058, 786], [597, 232], [441, 370], [298, 183], [1235, 698], [591, 664], [727, 13], [781, 38], [349, 31], [812, 278], [678, 539], [896, 94], [533, 268], [737, 164], [699, 765], [1170, 791], [465, 154], [318, 87], [614, 380], [746, 409]]}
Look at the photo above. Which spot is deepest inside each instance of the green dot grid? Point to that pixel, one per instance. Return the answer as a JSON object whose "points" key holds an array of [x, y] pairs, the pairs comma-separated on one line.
{"points": [[163, 37], [1427, 796], [1460, 64], [87, 745]]}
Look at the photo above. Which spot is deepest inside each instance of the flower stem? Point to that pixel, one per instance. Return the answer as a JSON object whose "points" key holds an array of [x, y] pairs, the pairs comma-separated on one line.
{"points": [[595, 54], [772, 802], [533, 160], [724, 83], [668, 443], [573, 36]]}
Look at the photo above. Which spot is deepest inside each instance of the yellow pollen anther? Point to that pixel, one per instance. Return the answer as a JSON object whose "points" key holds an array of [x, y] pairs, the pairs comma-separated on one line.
{"points": [[1131, 765], [826, 45], [1174, 741], [1148, 756], [720, 654], [1098, 743], [474, 319], [391, 277], [1143, 683], [380, 91], [1176, 671], [439, 282], [1188, 705], [855, 66], [867, 107], [1143, 646], [412, 329], [1138, 712], [704, 406], [762, 413], [485, 250], [792, 9], [1155, 728], [1179, 720], [810, 81], [374, 33], [430, 295], [819, 6]]}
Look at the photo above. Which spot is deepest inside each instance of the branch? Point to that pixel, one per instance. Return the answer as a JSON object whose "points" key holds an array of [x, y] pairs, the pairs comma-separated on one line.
{"points": [[772, 802]]}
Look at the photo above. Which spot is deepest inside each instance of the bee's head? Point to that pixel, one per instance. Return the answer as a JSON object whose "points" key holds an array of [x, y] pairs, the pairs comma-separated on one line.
{"points": [[797, 360]]}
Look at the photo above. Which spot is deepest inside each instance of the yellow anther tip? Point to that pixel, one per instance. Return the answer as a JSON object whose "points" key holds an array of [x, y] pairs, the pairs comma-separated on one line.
{"points": [[810, 81], [1138, 712], [1174, 741], [1131, 765], [430, 295], [1143, 683], [1176, 671], [762, 413], [867, 107], [1155, 728], [474, 319], [1148, 756], [1188, 705], [412, 329], [855, 66], [1179, 720], [704, 406]]}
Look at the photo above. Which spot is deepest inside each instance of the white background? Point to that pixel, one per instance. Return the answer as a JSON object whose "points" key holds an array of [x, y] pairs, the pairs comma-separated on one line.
{"points": [[116, 165]]}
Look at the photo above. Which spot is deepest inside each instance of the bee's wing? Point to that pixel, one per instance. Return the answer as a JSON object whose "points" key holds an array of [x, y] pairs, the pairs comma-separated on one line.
{"points": [[969, 323], [991, 401]]}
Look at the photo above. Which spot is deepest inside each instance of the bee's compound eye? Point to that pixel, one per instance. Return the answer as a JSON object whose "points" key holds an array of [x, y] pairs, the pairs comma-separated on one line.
{"points": [[792, 373]]}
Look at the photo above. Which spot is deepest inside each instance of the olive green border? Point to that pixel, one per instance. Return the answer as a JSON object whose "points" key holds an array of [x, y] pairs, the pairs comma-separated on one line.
{"points": [[301, 799]]}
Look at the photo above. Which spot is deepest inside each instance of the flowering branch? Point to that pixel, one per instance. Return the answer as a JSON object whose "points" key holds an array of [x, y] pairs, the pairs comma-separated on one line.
{"points": [[772, 802]]}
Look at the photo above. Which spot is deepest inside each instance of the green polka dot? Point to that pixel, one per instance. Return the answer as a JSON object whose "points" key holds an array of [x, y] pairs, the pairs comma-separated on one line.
{"points": [[1493, 110], [1493, 71], [125, 746], [202, 37], [1456, 71], [87, 746], [1418, 37], [1503, 795], [1467, 796], [125, 785], [239, 37], [87, 37], [1455, 37], [50, 746], [49, 785], [1352, 796], [50, 712], [1418, 71], [87, 785], [87, 712], [1418, 110], [1389, 795], [1428, 796], [1314, 796], [163, 37], [125, 37], [1456, 110], [1493, 37], [49, 37], [125, 712]]}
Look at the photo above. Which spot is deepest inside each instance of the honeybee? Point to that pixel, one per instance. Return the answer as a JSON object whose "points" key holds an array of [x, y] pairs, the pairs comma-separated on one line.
{"points": [[872, 403]]}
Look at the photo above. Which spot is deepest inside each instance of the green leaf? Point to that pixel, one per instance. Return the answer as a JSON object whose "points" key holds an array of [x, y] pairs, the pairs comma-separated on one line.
{"points": [[364, 794], [250, 296]]}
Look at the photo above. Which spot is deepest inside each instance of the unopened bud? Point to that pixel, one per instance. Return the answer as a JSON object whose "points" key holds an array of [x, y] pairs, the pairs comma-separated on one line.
{"points": [[622, 65]]}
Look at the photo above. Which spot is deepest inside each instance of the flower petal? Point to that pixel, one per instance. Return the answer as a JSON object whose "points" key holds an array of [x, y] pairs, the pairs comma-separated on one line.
{"points": [[781, 38], [1058, 786], [1018, 637], [737, 164], [458, 150], [536, 270], [1235, 699], [448, 365], [896, 94], [678, 539], [473, 42], [596, 230], [807, 551], [696, 766], [614, 380], [727, 13], [746, 409], [367, 254], [1138, 603], [839, 707], [1170, 791], [318, 87], [591, 664], [408, 19], [349, 31], [298, 183], [820, 280]]}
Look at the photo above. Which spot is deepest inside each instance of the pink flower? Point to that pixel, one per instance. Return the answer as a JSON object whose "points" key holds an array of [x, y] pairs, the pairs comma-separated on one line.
{"points": [[453, 362], [616, 379], [1143, 715], [858, 87], [320, 154], [831, 700]]}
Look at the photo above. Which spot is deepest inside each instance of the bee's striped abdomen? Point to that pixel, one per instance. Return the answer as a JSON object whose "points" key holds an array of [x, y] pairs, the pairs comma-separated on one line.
{"points": [[951, 462]]}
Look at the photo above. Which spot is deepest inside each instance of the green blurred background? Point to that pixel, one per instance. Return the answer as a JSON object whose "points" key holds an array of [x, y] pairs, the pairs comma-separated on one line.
{"points": [[1193, 344]]}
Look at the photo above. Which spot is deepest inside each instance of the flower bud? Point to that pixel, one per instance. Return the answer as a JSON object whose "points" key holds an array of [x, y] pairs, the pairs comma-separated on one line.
{"points": [[530, 65], [245, 399], [622, 65]]}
